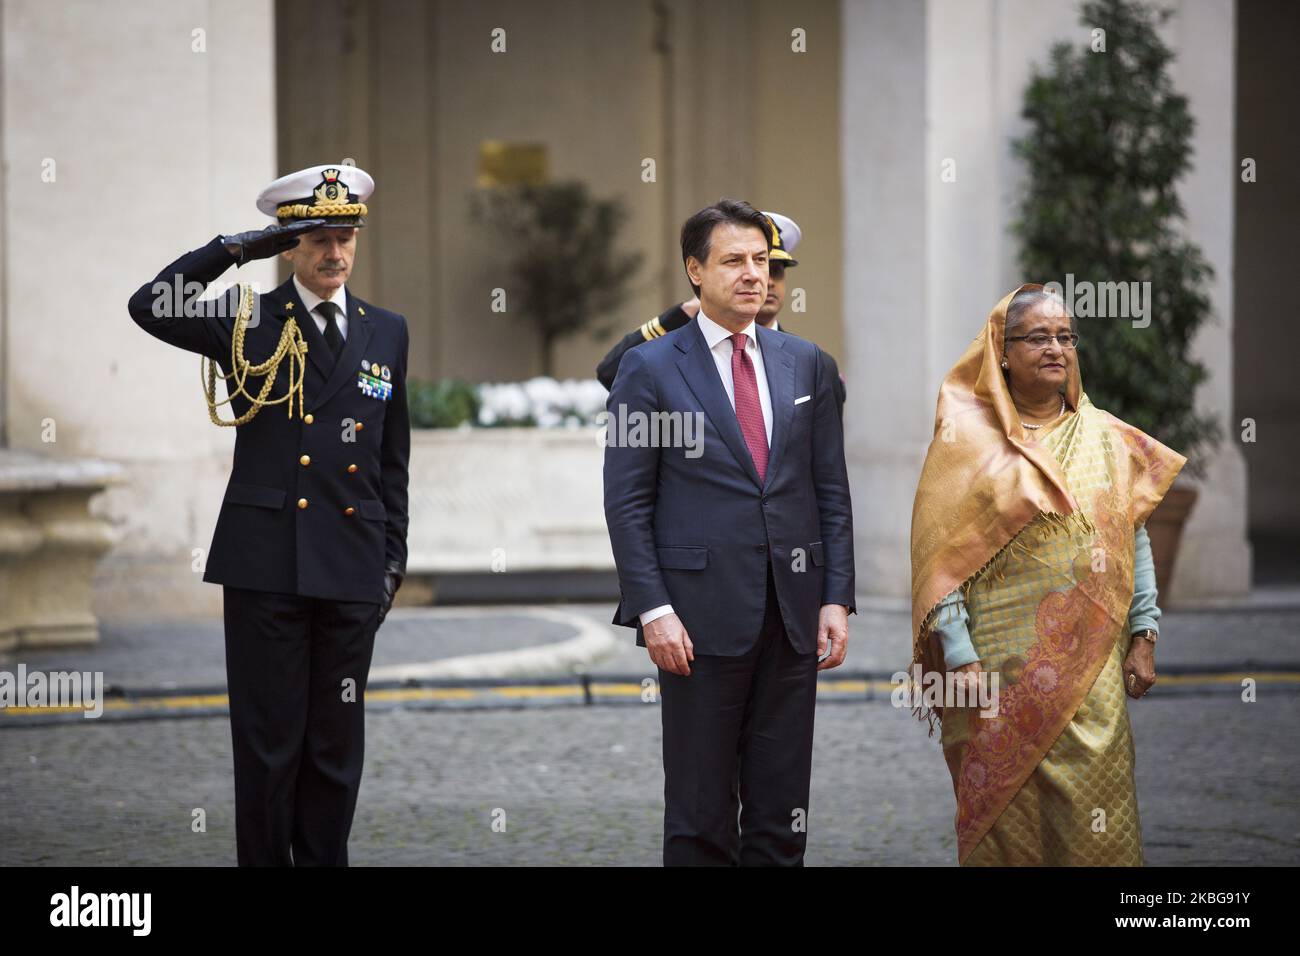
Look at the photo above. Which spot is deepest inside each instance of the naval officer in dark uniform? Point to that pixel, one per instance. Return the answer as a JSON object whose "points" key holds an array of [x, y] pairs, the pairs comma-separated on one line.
{"points": [[785, 237], [310, 543]]}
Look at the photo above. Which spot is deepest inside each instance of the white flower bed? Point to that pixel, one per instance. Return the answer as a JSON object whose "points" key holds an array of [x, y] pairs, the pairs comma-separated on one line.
{"points": [[572, 403]]}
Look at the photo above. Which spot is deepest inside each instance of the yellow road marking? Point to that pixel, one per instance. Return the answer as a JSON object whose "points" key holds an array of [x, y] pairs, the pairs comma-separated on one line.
{"points": [[551, 691]]}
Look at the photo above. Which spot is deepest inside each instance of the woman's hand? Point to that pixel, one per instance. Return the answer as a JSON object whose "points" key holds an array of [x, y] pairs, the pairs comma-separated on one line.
{"points": [[968, 674], [1139, 668]]}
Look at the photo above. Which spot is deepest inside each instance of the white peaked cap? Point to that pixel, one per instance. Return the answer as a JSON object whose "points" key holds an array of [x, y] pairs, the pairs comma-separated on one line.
{"points": [[790, 234], [333, 191]]}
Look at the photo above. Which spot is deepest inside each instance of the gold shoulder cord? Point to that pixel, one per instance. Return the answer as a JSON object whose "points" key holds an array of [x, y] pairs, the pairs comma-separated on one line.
{"points": [[291, 344]]}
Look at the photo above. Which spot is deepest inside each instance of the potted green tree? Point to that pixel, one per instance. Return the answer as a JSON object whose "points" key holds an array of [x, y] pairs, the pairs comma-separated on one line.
{"points": [[566, 272], [1108, 139]]}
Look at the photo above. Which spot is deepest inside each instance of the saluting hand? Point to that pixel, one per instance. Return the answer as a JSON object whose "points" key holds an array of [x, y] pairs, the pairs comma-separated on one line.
{"points": [[264, 243]]}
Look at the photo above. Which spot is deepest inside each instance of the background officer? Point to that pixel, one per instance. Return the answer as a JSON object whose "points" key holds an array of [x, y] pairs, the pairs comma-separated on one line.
{"points": [[785, 237], [310, 543]]}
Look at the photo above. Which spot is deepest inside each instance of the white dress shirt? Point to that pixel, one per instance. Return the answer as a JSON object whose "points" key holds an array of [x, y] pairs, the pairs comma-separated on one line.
{"points": [[310, 299], [719, 341], [715, 335]]}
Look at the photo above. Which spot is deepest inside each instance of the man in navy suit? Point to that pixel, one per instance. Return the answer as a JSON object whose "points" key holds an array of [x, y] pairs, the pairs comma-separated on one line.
{"points": [[727, 502], [310, 543]]}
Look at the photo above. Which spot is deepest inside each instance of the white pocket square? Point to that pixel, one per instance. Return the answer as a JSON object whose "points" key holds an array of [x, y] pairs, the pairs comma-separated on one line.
{"points": [[799, 401]]}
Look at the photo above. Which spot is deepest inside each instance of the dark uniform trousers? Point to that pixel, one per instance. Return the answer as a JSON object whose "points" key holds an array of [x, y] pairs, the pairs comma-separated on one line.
{"points": [[296, 670], [737, 749]]}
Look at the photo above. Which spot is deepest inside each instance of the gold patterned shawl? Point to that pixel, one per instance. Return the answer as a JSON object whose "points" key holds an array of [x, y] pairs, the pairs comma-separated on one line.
{"points": [[990, 496], [979, 447]]}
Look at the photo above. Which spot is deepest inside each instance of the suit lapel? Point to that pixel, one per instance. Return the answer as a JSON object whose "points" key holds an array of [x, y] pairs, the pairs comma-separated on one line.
{"points": [[778, 364], [322, 381], [701, 375], [354, 350], [287, 304]]}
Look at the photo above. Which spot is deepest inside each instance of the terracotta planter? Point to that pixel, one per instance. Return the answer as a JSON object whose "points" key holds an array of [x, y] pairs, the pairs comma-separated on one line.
{"points": [[1165, 528]]}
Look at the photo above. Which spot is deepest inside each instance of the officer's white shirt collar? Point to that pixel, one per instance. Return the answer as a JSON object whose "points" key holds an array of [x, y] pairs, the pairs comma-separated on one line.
{"points": [[310, 300]]}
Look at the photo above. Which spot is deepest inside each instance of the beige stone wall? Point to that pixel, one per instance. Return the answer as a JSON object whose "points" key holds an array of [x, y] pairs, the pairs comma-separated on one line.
{"points": [[412, 89], [158, 147], [159, 138]]}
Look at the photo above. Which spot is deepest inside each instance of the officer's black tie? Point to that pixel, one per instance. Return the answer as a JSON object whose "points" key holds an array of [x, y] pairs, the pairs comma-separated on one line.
{"points": [[333, 337]]}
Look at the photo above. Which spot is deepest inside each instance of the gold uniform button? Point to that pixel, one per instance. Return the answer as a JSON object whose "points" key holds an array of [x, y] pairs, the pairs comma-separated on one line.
{"points": [[309, 418], [305, 460], [348, 511], [352, 469], [302, 502]]}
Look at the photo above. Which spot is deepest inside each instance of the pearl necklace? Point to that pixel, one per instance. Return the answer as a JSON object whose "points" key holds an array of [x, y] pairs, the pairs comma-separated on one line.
{"points": [[1058, 415]]}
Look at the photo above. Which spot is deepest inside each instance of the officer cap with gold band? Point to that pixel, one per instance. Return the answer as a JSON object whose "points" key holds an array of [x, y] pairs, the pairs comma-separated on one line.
{"points": [[336, 193], [785, 236]]}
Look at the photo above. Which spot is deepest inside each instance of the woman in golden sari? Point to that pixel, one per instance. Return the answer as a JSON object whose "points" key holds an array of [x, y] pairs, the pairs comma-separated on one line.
{"points": [[1026, 536]]}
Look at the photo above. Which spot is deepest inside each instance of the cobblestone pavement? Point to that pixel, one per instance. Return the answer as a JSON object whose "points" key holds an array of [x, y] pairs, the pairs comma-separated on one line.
{"points": [[1217, 778], [583, 785]]}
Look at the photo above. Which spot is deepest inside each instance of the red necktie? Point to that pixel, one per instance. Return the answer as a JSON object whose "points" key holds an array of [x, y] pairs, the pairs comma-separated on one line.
{"points": [[749, 411]]}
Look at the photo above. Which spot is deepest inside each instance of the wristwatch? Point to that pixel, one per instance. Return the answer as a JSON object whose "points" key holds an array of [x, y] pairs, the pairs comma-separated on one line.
{"points": [[1146, 634]]}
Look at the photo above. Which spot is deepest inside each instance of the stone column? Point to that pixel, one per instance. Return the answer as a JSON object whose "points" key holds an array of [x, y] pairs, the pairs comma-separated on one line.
{"points": [[886, 333], [50, 543], [938, 85], [132, 132]]}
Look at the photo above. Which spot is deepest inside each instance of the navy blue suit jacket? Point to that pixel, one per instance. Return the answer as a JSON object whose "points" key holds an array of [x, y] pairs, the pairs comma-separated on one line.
{"points": [[697, 532], [354, 481]]}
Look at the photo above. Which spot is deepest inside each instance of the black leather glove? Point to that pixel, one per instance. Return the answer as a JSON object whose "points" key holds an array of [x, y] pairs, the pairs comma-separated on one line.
{"points": [[392, 581], [264, 243]]}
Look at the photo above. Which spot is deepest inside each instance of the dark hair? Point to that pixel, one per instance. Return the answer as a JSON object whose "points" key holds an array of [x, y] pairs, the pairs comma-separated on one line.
{"points": [[697, 232]]}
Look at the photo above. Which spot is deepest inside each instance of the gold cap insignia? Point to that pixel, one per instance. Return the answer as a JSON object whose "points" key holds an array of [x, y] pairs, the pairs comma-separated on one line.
{"points": [[332, 191]]}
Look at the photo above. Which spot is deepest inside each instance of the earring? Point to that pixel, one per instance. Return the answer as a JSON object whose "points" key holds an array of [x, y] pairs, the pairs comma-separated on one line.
{"points": [[1004, 364]]}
